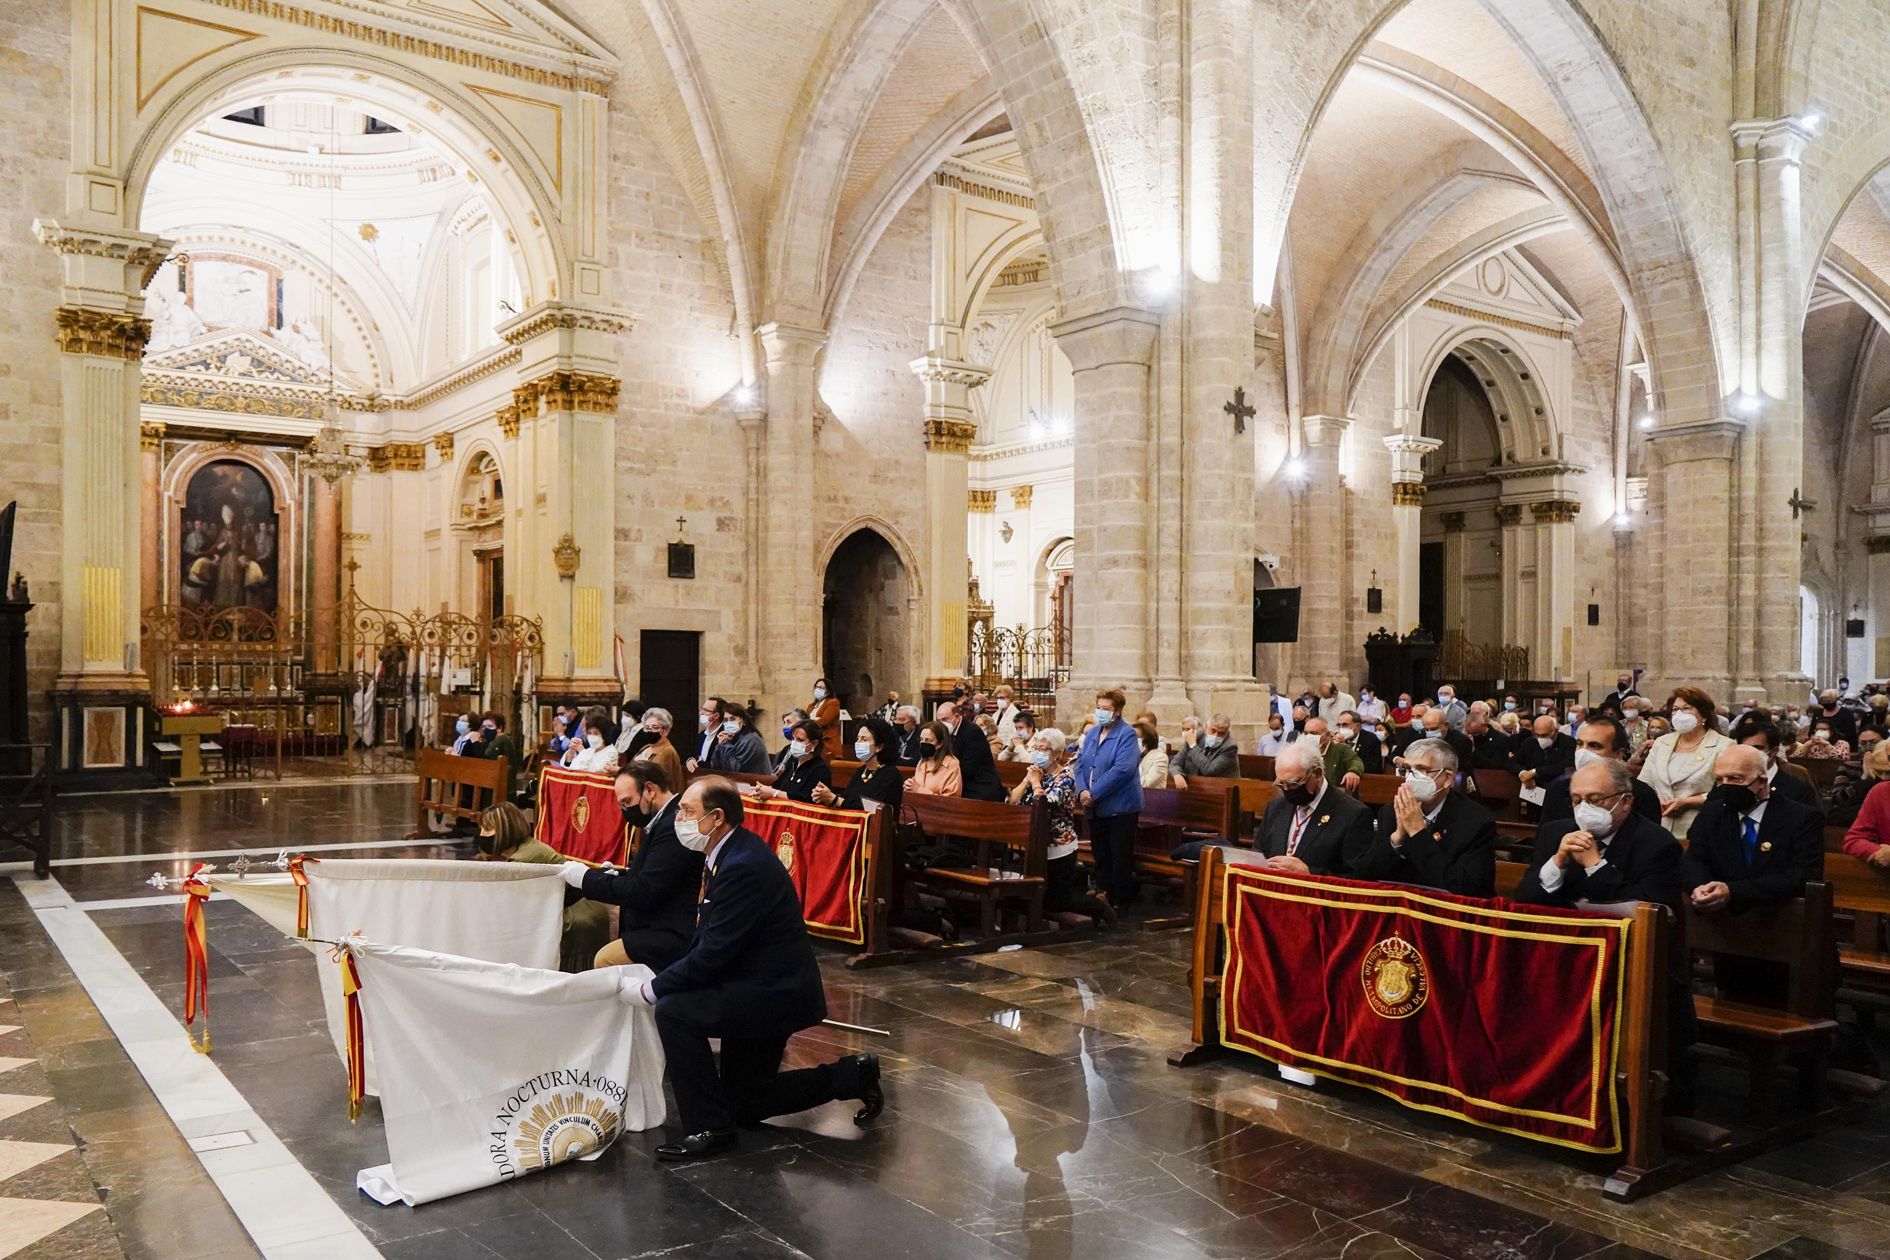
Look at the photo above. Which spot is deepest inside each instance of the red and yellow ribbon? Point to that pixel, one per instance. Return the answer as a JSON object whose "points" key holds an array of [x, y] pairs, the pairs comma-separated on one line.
{"points": [[300, 877], [196, 959], [357, 1045]]}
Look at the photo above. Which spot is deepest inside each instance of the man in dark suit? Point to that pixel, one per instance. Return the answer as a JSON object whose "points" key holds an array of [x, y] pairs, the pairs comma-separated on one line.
{"points": [[1430, 834], [1598, 739], [976, 766], [1371, 750], [749, 978], [1310, 826], [1757, 730], [1748, 846], [1491, 748], [1608, 851], [656, 897], [708, 726], [1547, 757], [906, 730]]}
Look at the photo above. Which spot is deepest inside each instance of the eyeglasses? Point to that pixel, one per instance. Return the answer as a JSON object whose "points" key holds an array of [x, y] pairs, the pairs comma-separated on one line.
{"points": [[1605, 801]]}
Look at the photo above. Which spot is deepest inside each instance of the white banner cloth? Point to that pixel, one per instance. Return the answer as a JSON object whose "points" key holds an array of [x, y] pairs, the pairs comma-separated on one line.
{"points": [[501, 912], [489, 1072]]}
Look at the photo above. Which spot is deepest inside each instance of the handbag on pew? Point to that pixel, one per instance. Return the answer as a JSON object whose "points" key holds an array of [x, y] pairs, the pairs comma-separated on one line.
{"points": [[921, 855]]}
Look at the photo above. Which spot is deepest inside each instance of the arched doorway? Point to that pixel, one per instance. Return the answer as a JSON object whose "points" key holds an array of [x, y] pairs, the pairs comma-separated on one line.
{"points": [[1460, 547], [481, 523], [867, 622]]}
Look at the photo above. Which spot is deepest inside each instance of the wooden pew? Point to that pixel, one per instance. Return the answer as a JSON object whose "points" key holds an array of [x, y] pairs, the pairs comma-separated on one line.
{"points": [[1509, 877], [26, 801], [1644, 1167], [441, 778], [1376, 790], [1168, 816], [1256, 767], [1799, 934], [999, 834], [1254, 795], [1863, 892]]}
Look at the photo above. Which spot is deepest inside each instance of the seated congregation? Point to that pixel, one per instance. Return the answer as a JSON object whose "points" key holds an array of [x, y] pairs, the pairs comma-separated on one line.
{"points": [[995, 828]]}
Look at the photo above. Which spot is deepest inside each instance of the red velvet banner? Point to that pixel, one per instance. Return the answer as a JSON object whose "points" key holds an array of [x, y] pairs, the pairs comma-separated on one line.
{"points": [[824, 851], [1503, 1015], [578, 816]]}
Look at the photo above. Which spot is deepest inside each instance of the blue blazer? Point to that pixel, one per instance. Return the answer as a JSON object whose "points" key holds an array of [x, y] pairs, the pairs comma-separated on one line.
{"points": [[1111, 772]]}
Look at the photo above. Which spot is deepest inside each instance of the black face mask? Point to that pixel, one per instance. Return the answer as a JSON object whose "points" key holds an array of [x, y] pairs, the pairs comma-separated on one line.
{"points": [[1299, 797], [1734, 796]]}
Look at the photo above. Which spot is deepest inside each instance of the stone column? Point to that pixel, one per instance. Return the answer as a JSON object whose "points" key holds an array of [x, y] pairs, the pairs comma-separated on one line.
{"points": [[101, 689], [567, 394], [1877, 573], [1321, 565], [1519, 614], [1407, 521], [949, 431], [151, 509], [1692, 634], [789, 588], [1768, 158], [324, 588], [1556, 582], [1111, 352], [1455, 562]]}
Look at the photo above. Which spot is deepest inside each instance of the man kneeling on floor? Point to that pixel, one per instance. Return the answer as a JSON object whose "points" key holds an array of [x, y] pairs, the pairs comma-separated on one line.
{"points": [[750, 979]]}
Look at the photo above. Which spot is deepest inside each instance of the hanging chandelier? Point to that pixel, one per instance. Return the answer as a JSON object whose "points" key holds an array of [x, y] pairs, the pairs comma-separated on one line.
{"points": [[328, 456]]}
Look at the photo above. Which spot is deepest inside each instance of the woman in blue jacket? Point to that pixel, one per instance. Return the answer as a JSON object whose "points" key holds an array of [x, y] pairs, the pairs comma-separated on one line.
{"points": [[1109, 786]]}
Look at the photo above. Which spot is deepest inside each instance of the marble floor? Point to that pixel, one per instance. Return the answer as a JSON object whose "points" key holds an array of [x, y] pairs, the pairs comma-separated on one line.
{"points": [[1031, 1112]]}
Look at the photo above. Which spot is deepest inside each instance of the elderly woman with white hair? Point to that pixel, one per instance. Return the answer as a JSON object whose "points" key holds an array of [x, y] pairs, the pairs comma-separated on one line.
{"points": [[656, 747], [1066, 886]]}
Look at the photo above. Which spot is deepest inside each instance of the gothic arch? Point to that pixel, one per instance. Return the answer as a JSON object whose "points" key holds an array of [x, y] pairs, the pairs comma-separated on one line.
{"points": [[1526, 424], [886, 530]]}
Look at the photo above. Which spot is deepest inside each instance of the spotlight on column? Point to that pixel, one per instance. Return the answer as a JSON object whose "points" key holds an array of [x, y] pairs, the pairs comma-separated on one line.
{"points": [[1746, 403], [1622, 520], [1811, 121], [744, 395], [1647, 420], [1296, 468]]}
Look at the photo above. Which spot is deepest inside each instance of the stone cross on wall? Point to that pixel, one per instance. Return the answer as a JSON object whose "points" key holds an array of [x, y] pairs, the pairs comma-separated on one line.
{"points": [[1239, 409]]}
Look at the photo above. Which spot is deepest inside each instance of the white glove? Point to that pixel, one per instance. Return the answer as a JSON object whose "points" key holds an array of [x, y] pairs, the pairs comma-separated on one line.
{"points": [[573, 873], [633, 988]]}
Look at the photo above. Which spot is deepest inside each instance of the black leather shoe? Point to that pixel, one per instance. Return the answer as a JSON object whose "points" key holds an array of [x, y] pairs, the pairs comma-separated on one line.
{"points": [[698, 1145], [872, 1097]]}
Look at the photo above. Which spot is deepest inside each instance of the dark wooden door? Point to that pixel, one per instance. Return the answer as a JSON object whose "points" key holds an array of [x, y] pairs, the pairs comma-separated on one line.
{"points": [[671, 672], [1430, 598]]}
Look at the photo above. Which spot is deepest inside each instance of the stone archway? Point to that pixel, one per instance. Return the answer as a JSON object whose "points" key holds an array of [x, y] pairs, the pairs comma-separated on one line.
{"points": [[867, 642]]}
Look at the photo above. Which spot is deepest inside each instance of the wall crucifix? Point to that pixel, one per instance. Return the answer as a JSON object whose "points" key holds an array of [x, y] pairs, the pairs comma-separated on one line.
{"points": [[1799, 504], [1239, 409]]}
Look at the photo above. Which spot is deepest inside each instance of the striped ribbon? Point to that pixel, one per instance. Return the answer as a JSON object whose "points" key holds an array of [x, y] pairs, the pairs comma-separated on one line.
{"points": [[300, 877], [357, 1046], [196, 959]]}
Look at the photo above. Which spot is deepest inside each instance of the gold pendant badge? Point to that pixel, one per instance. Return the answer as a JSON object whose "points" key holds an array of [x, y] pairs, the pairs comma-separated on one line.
{"points": [[784, 850], [580, 813], [1396, 982]]}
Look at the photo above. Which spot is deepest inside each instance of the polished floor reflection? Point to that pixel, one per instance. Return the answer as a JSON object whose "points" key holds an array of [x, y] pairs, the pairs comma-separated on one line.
{"points": [[1031, 1112]]}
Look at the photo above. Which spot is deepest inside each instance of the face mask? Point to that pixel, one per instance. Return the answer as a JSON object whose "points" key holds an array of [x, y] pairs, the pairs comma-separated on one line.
{"points": [[462, 726], [1443, 698], [1404, 702], [1509, 706], [1104, 717], [1686, 722], [1417, 724], [797, 750], [1422, 785], [1275, 729], [787, 732], [1734, 796], [820, 693], [1347, 733], [633, 813], [702, 721], [1546, 741], [1212, 741], [927, 749], [690, 834], [1631, 714], [596, 740], [1823, 735], [488, 731], [1040, 759], [1595, 820], [1298, 796], [862, 750], [1584, 758], [731, 727]]}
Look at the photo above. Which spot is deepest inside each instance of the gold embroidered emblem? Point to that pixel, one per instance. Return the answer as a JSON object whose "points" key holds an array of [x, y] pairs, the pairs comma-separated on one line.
{"points": [[1765, 846], [1324, 819], [1396, 983], [784, 849], [580, 813]]}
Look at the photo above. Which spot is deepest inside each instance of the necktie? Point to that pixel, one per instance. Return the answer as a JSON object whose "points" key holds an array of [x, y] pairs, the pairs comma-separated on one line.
{"points": [[1752, 840], [1299, 826]]}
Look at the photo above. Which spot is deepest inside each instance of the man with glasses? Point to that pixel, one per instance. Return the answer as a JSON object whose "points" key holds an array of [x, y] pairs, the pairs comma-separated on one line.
{"points": [[1596, 740], [1308, 828], [1431, 834], [1604, 849]]}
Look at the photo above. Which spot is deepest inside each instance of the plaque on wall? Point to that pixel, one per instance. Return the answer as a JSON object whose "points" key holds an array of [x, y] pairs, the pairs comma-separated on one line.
{"points": [[682, 560]]}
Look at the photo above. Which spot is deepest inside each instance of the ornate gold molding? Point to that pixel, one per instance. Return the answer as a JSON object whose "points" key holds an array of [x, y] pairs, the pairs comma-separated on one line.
{"points": [[566, 556], [416, 45], [397, 457], [508, 420], [950, 437], [983, 500], [1021, 496], [111, 334], [568, 391], [444, 445], [1407, 494], [556, 316], [151, 435], [1555, 511]]}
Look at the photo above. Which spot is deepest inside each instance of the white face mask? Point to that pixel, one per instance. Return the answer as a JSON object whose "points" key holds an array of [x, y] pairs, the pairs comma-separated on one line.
{"points": [[1212, 741], [1422, 785], [690, 834], [1595, 820], [1631, 714], [1547, 741], [798, 750], [1585, 757], [862, 750], [1104, 717], [702, 721], [731, 727], [596, 740], [1685, 721], [820, 693], [1346, 732]]}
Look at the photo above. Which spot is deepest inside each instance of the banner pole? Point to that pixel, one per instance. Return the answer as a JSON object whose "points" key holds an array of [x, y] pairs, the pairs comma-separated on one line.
{"points": [[876, 1032]]}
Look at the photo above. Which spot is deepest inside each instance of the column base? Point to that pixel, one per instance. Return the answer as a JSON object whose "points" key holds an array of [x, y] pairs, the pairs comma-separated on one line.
{"points": [[102, 731], [1243, 700]]}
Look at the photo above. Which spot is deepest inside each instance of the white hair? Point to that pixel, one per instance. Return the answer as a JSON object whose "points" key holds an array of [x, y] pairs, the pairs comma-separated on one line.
{"points": [[1221, 720], [1445, 754], [1053, 739], [906, 710], [1303, 755], [661, 717]]}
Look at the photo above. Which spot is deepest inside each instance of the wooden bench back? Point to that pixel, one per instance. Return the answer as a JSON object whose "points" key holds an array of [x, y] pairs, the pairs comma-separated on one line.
{"points": [[1378, 789], [1798, 933], [1856, 885], [1012, 773], [442, 775], [1822, 771], [1023, 829], [1215, 810], [1500, 791], [1509, 877], [1256, 767]]}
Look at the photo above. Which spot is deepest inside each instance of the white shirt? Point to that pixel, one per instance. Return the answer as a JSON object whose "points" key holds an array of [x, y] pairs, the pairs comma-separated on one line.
{"points": [[1271, 743], [1332, 706], [595, 760], [1373, 708]]}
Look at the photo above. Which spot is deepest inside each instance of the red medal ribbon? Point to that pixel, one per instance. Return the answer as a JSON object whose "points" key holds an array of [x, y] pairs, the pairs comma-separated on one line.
{"points": [[357, 1045], [196, 959], [300, 877]]}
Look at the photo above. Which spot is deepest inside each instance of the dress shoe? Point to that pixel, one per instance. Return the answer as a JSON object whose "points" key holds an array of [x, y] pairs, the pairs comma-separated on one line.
{"points": [[698, 1145], [872, 1097]]}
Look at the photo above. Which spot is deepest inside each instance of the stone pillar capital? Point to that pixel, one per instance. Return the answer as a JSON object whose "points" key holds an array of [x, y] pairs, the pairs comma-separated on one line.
{"points": [[937, 370], [151, 435], [1119, 335], [1407, 494], [1407, 457], [981, 500], [1555, 511], [1453, 521], [1771, 139], [104, 267], [949, 437], [785, 344], [1325, 431], [1695, 440]]}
